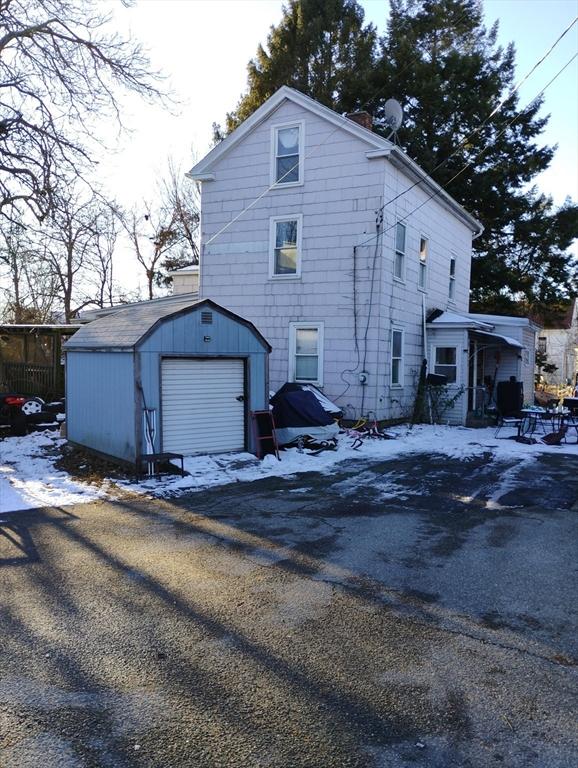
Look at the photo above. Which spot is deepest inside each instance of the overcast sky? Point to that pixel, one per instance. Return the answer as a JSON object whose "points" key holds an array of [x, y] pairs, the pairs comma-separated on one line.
{"points": [[203, 47]]}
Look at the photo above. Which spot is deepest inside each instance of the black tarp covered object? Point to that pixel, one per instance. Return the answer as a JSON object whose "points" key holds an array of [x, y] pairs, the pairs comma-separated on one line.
{"points": [[298, 413]]}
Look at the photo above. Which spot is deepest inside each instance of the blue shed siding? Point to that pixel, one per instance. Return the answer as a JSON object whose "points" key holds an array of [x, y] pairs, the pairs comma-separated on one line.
{"points": [[100, 402]]}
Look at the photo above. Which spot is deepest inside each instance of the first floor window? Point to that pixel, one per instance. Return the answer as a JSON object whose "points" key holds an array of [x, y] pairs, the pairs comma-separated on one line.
{"points": [[452, 287], [399, 263], [397, 357], [285, 233], [446, 363], [422, 277], [306, 352]]}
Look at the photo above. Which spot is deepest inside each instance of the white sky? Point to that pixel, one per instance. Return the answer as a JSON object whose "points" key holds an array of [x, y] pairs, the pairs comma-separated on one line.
{"points": [[203, 47]]}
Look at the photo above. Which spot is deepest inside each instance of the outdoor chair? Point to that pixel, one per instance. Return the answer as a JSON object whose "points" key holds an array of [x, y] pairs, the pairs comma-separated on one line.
{"points": [[508, 421]]}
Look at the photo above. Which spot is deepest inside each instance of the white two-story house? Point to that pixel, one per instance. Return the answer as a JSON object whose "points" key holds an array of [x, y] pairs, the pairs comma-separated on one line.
{"points": [[338, 246]]}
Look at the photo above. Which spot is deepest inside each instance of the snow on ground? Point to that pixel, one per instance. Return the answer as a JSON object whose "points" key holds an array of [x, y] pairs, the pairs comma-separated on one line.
{"points": [[453, 442], [28, 477]]}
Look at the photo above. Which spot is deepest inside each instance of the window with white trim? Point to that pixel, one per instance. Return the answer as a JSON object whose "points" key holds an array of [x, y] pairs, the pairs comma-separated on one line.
{"points": [[397, 357], [287, 154], [446, 363], [422, 275], [542, 344], [306, 353], [452, 285], [285, 246], [399, 263]]}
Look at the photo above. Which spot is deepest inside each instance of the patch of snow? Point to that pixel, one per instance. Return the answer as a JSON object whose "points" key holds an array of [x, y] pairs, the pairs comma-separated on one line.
{"points": [[454, 442], [29, 479]]}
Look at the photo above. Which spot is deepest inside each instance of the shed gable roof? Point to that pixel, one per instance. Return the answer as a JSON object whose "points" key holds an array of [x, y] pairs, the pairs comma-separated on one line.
{"points": [[124, 329]]}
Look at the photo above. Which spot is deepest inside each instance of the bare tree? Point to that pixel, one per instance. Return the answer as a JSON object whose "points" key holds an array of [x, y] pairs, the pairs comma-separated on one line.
{"points": [[151, 234], [180, 197], [29, 294], [106, 233], [60, 70]]}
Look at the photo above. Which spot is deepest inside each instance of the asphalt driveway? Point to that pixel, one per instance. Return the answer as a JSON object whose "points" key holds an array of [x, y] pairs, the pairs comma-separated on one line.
{"points": [[413, 612]]}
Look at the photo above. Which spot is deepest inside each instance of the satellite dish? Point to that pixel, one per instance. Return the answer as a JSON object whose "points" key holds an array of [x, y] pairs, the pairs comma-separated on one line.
{"points": [[393, 114]]}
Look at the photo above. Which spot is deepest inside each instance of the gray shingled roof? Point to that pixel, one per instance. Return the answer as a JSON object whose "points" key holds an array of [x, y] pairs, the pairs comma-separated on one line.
{"points": [[124, 328], [87, 315]]}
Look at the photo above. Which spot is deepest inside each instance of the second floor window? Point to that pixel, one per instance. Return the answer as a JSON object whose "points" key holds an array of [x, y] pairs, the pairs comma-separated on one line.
{"points": [[285, 247], [452, 286], [287, 162], [399, 263], [422, 276], [542, 344]]}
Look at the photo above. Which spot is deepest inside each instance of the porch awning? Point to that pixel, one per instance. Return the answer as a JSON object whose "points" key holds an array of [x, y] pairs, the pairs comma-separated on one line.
{"points": [[498, 338]]}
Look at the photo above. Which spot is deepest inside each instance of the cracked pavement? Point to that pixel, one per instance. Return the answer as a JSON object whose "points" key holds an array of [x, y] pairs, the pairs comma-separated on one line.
{"points": [[410, 612]]}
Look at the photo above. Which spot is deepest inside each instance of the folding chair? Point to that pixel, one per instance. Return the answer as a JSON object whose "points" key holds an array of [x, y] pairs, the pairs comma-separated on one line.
{"points": [[508, 421]]}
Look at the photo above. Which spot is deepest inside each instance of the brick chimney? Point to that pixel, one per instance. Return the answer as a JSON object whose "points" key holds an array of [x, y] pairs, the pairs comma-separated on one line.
{"points": [[362, 118]]}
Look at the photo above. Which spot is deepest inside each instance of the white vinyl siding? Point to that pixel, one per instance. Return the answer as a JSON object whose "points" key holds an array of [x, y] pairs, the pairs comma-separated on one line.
{"points": [[306, 353], [397, 357], [422, 267], [287, 155], [201, 409], [285, 246], [399, 258]]}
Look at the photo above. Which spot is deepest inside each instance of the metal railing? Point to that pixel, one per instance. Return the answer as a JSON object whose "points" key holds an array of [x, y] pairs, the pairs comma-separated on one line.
{"points": [[29, 379]]}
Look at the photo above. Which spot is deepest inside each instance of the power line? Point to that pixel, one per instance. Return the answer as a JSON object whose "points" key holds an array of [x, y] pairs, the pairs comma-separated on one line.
{"points": [[470, 162], [496, 109], [377, 93]]}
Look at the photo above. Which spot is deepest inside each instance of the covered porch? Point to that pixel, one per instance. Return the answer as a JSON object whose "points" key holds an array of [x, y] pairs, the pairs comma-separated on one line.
{"points": [[477, 353]]}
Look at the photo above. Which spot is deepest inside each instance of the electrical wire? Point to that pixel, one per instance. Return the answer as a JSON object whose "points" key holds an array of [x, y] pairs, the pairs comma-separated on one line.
{"points": [[345, 121], [476, 157], [484, 122]]}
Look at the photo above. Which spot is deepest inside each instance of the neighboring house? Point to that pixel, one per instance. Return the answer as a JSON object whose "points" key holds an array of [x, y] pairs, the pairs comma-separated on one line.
{"points": [[337, 246], [558, 340]]}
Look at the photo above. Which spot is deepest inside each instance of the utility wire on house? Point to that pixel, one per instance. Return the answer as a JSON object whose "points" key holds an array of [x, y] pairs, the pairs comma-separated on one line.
{"points": [[484, 122], [345, 121], [470, 162], [314, 149]]}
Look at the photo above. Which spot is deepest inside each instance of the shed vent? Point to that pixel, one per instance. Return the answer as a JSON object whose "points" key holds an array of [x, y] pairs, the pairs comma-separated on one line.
{"points": [[207, 318]]}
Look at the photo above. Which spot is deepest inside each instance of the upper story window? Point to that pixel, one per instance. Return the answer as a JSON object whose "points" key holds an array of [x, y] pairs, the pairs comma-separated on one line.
{"points": [[285, 247], [452, 285], [542, 344], [399, 263], [288, 154], [306, 352], [422, 275]]}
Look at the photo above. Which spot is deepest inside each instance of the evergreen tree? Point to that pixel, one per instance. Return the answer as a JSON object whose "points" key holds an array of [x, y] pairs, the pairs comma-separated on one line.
{"points": [[439, 60], [321, 48], [447, 70]]}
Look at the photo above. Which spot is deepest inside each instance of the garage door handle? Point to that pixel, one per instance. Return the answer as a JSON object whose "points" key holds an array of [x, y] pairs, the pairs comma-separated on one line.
{"points": [[240, 398]]}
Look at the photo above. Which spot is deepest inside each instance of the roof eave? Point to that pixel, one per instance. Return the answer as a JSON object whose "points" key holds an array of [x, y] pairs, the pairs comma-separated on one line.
{"points": [[399, 159], [203, 169]]}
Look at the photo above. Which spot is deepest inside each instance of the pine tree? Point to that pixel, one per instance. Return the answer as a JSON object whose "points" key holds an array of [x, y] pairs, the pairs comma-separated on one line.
{"points": [[447, 70], [439, 60], [322, 49]]}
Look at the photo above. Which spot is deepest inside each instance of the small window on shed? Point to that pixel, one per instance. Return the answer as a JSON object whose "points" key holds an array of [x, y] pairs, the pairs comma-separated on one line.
{"points": [[206, 318]]}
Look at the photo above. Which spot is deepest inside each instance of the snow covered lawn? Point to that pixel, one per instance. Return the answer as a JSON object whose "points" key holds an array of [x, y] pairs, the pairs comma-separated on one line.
{"points": [[29, 478]]}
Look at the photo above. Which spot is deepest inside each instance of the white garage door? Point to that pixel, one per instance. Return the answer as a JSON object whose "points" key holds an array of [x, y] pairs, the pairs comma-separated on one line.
{"points": [[201, 409]]}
